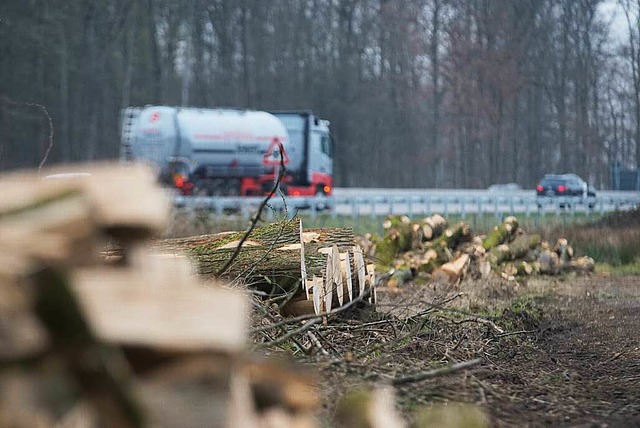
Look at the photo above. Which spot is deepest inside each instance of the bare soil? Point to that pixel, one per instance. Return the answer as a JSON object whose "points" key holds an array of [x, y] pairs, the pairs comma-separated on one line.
{"points": [[568, 354]]}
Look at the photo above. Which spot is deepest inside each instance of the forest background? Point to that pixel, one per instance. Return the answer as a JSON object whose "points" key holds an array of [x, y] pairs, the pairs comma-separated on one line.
{"points": [[420, 93]]}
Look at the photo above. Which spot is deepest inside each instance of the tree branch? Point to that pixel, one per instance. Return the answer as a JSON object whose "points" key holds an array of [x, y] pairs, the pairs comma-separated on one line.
{"points": [[254, 221], [436, 372], [49, 120]]}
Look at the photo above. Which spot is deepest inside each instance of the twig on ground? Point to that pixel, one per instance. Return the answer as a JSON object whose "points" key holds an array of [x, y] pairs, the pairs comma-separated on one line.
{"points": [[326, 341], [306, 326], [436, 372], [481, 321], [312, 316], [513, 333], [316, 343], [614, 357]]}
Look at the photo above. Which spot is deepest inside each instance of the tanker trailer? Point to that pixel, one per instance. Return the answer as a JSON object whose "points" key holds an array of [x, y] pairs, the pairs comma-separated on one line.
{"points": [[226, 152]]}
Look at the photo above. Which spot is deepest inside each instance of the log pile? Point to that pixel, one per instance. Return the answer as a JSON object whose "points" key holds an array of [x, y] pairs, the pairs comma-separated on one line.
{"points": [[313, 271], [448, 253], [131, 340]]}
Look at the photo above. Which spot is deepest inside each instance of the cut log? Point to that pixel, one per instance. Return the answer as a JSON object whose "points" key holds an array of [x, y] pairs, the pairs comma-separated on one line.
{"points": [[563, 250], [450, 238], [517, 249], [399, 236], [501, 233], [549, 262], [129, 307], [524, 268], [55, 226], [484, 267], [127, 201], [272, 259], [141, 208], [498, 255], [336, 279], [423, 261], [433, 226], [522, 244], [479, 266], [21, 334], [509, 269], [280, 259], [359, 268], [199, 391], [454, 271], [303, 263], [347, 276], [583, 264], [317, 289], [106, 381]]}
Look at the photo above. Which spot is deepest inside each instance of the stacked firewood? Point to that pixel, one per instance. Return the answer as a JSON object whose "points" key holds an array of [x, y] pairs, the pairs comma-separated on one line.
{"points": [[131, 339], [447, 253]]}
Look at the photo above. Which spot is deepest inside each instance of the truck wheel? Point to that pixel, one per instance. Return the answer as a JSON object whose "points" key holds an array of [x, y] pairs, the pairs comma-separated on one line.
{"points": [[233, 187], [205, 187], [200, 188]]}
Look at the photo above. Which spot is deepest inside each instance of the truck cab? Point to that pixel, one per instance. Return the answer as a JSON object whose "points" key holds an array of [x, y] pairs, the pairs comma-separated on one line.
{"points": [[310, 171]]}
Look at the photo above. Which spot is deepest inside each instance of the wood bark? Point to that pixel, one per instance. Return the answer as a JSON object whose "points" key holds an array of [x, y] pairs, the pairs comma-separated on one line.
{"points": [[563, 250], [399, 236], [325, 266], [452, 236], [501, 234], [433, 226], [517, 249]]}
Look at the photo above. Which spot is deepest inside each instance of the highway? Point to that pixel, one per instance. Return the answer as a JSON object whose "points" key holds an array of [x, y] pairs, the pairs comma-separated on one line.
{"points": [[357, 202]]}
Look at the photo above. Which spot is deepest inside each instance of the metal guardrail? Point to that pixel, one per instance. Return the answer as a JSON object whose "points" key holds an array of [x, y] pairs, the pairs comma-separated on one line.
{"points": [[379, 205]]}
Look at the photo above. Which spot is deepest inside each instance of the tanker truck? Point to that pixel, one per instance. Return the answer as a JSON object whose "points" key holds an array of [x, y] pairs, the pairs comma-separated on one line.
{"points": [[231, 152]]}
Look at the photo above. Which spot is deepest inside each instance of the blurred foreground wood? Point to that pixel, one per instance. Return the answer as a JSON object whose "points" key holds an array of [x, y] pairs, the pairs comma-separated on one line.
{"points": [[87, 342]]}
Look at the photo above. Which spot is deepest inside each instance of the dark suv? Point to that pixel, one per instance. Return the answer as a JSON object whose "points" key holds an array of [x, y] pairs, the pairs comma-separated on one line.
{"points": [[570, 185]]}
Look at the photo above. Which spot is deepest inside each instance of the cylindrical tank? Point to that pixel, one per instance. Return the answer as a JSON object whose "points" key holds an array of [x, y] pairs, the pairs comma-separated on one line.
{"points": [[230, 143]]}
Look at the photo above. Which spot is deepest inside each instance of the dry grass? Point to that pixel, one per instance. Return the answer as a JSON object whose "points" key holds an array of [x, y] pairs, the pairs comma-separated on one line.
{"points": [[612, 240]]}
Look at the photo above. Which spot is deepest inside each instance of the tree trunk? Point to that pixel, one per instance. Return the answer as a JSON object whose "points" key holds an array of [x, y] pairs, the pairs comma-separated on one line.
{"points": [[282, 259], [454, 271], [501, 233]]}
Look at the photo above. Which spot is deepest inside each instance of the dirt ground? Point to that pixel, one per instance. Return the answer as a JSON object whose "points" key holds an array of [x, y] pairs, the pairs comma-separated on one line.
{"points": [[555, 352]]}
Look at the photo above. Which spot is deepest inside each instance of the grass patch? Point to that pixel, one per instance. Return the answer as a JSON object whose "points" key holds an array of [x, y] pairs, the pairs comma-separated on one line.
{"points": [[524, 313], [186, 222], [614, 246], [481, 223], [628, 269], [613, 241]]}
